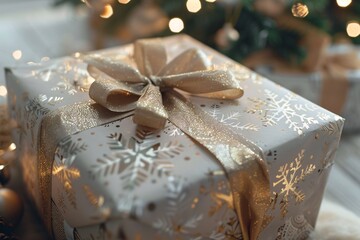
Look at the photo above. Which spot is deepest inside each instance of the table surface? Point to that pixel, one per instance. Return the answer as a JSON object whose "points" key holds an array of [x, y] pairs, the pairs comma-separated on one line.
{"points": [[57, 32]]}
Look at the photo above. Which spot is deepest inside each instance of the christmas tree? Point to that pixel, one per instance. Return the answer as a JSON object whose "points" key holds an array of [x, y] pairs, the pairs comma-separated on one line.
{"points": [[237, 28]]}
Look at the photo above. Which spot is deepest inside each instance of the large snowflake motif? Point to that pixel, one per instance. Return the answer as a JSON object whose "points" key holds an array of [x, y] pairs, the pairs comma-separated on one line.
{"points": [[66, 174], [63, 168], [289, 175], [136, 159], [231, 119], [175, 219], [275, 109]]}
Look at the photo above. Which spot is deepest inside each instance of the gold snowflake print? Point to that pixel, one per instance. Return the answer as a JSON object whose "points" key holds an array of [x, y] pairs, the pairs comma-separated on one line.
{"points": [[289, 175], [66, 175], [63, 168], [285, 109]]}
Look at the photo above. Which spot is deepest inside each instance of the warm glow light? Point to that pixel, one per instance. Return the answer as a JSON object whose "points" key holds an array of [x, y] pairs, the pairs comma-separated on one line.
{"points": [[193, 5], [77, 54], [3, 91], [17, 54], [299, 10], [353, 29], [123, 1], [12, 147], [176, 25], [211, 0], [107, 11], [343, 3], [44, 59]]}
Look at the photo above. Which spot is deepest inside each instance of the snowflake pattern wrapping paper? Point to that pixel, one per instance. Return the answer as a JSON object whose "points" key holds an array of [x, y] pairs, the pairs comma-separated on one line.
{"points": [[122, 181]]}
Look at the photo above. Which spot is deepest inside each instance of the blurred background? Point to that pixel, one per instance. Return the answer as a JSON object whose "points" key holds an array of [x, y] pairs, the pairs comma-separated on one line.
{"points": [[305, 45]]}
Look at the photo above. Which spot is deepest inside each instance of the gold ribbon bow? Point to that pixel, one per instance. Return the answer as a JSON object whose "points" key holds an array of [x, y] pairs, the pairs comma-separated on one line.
{"points": [[122, 87]]}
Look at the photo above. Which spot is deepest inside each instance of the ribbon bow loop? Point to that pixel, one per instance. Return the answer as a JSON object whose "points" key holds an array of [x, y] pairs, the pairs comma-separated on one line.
{"points": [[125, 85]]}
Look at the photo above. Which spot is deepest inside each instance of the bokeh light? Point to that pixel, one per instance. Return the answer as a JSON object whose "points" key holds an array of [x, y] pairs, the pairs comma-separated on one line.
{"points": [[343, 3], [124, 1], [176, 25], [353, 29], [3, 91], [17, 54], [12, 147], [193, 5], [107, 11], [299, 10]]}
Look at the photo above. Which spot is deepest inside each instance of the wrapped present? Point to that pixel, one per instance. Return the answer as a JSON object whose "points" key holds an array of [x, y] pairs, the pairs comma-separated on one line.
{"points": [[154, 140], [335, 86], [328, 76]]}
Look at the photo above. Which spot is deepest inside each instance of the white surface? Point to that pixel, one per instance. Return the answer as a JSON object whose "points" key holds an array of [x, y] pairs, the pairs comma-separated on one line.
{"points": [[336, 222]]}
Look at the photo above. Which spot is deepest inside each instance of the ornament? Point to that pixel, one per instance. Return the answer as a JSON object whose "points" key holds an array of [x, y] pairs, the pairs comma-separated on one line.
{"points": [[227, 35], [11, 207], [299, 10]]}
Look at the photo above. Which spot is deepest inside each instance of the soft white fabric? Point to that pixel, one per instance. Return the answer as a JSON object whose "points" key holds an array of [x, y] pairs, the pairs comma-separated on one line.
{"points": [[336, 223]]}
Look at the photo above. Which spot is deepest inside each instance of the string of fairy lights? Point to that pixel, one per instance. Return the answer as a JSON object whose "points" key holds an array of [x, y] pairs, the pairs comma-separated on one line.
{"points": [[176, 24]]}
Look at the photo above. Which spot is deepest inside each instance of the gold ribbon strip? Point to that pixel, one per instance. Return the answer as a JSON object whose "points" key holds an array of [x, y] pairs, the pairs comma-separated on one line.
{"points": [[121, 88], [242, 161], [55, 126]]}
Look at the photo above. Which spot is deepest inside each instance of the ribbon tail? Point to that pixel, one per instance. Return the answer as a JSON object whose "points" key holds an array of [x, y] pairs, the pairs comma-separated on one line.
{"points": [[241, 159], [149, 111]]}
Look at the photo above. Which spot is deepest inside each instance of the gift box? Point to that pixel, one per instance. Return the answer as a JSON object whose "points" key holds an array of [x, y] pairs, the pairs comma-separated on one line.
{"points": [[328, 75], [110, 150], [336, 87], [341, 97]]}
